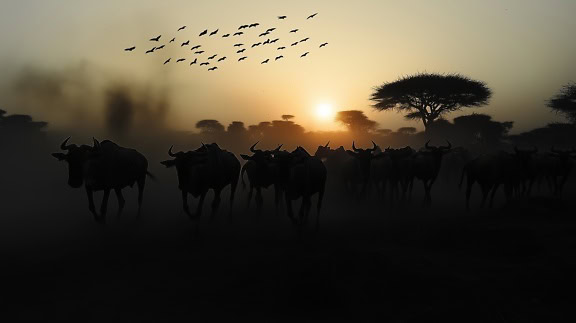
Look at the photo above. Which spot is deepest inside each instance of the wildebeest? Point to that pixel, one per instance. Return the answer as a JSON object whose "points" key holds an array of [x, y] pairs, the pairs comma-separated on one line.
{"points": [[261, 174], [399, 171], [301, 176], [358, 169], [554, 167], [103, 167], [206, 168], [426, 166]]}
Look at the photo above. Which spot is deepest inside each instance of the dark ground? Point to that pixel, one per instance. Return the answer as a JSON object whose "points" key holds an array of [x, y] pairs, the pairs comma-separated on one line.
{"points": [[369, 263]]}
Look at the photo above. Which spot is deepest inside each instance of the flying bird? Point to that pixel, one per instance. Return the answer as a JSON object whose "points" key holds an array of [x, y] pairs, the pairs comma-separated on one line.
{"points": [[167, 61], [214, 32], [254, 25], [281, 48], [182, 28], [204, 64], [312, 16], [294, 44], [305, 39], [172, 40], [279, 57], [281, 17], [186, 43], [238, 45], [243, 27], [156, 39], [294, 30], [241, 51], [274, 40], [221, 59], [266, 42], [194, 62], [264, 34], [322, 45], [242, 58], [304, 55], [160, 47], [238, 33], [213, 56], [270, 30], [225, 35], [199, 52], [213, 68], [130, 49], [265, 61], [203, 33], [195, 47], [150, 50], [257, 44], [180, 60]]}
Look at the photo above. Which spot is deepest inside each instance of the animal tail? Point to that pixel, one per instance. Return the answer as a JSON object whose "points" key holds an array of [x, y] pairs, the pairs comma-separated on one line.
{"points": [[464, 169], [242, 176], [152, 177]]}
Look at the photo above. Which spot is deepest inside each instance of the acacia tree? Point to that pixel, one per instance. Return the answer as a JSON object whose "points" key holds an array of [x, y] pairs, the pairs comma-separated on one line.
{"points": [[356, 121], [210, 127], [565, 102], [429, 96]]}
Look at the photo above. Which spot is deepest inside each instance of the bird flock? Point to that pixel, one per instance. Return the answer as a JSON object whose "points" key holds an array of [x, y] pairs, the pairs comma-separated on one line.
{"points": [[242, 50]]}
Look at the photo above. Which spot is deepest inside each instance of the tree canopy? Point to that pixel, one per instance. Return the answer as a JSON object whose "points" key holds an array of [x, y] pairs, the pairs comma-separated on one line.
{"points": [[429, 96], [565, 102], [356, 121], [209, 126]]}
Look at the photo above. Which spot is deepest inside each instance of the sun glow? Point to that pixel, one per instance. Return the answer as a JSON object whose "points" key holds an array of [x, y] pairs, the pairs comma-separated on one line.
{"points": [[325, 111]]}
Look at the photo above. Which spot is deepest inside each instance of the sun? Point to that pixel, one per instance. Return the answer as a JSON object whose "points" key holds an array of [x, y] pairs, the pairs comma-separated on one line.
{"points": [[325, 111]]}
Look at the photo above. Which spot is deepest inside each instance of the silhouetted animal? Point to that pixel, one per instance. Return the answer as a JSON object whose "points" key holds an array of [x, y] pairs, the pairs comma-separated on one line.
{"points": [[238, 45], [194, 61], [305, 39], [150, 50], [167, 61], [261, 174], [257, 44], [426, 166], [305, 54], [323, 45], [265, 61], [182, 28], [274, 40], [130, 49], [206, 168], [266, 42], [213, 56], [269, 30], [160, 47], [301, 176], [281, 17], [293, 30], [242, 58], [213, 68], [242, 27], [238, 33], [358, 169], [281, 48], [203, 33], [222, 59], [186, 43], [195, 47], [225, 35], [199, 52], [172, 40], [263, 34], [241, 51], [401, 175], [180, 60], [559, 168], [253, 25], [294, 44], [312, 16], [278, 57], [204, 64], [214, 32], [156, 38], [103, 167]]}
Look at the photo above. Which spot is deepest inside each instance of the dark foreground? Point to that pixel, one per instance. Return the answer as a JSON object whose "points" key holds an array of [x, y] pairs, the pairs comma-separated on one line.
{"points": [[404, 267]]}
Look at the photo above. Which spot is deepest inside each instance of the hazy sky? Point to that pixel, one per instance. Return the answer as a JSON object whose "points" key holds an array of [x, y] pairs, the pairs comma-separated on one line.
{"points": [[523, 49]]}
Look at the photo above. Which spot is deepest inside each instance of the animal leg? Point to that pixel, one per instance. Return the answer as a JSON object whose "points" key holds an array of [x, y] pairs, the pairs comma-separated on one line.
{"points": [[185, 202], [289, 208], [104, 206], [215, 203], [200, 205], [318, 208], [121, 201], [141, 183], [91, 206], [468, 192], [250, 196], [494, 189], [259, 199]]}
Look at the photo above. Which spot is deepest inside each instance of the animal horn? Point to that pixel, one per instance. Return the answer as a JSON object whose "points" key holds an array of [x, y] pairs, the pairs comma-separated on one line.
{"points": [[170, 152], [254, 146], [96, 143], [375, 145], [327, 144], [427, 144], [354, 147], [449, 145], [64, 145], [278, 148]]}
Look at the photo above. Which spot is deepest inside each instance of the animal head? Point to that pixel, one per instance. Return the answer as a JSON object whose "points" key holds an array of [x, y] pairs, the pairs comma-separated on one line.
{"points": [[186, 163], [434, 151], [363, 154], [260, 156], [323, 151], [75, 157]]}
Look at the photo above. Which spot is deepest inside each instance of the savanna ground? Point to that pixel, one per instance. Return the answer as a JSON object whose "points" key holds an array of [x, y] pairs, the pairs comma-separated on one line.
{"points": [[369, 262]]}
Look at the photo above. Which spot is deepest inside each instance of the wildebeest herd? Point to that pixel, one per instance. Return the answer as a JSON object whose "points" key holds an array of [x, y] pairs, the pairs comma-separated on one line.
{"points": [[357, 173]]}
